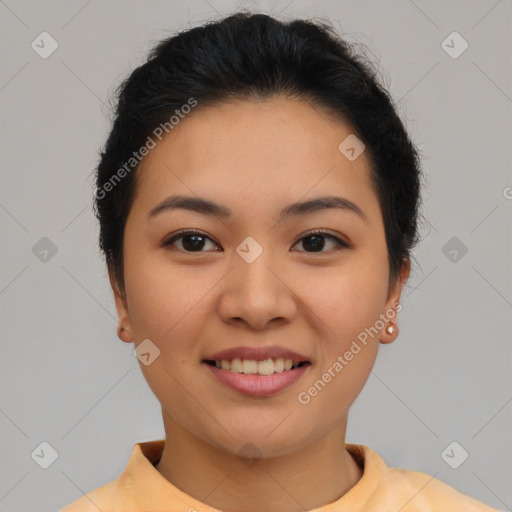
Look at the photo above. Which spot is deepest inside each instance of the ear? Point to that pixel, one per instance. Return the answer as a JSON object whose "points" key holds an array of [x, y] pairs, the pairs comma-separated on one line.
{"points": [[392, 303], [124, 330]]}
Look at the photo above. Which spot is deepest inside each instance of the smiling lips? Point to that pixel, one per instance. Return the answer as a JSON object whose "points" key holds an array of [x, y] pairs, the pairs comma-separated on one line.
{"points": [[251, 366], [261, 360], [257, 371], [257, 354]]}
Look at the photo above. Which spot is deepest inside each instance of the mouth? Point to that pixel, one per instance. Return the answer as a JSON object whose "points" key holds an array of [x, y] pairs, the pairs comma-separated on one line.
{"points": [[257, 378], [267, 366]]}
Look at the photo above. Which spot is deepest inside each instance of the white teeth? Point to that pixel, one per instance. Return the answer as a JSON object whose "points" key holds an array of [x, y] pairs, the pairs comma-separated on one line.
{"points": [[266, 367], [236, 365], [278, 365], [251, 366]]}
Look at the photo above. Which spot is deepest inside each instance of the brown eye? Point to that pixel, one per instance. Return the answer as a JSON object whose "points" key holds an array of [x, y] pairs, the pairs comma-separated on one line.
{"points": [[195, 241], [315, 241], [191, 241]]}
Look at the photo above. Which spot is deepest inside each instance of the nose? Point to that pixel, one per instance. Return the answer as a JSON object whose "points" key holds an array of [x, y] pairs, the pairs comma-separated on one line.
{"points": [[257, 294]]}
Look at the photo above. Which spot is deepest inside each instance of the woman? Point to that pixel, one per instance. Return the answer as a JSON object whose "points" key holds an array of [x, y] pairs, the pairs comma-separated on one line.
{"points": [[258, 202]]}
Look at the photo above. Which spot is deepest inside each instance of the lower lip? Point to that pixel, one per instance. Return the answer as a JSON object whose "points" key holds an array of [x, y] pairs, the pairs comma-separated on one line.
{"points": [[258, 385]]}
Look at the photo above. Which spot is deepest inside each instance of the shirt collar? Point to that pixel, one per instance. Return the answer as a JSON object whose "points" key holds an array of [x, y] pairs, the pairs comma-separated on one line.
{"points": [[157, 492]]}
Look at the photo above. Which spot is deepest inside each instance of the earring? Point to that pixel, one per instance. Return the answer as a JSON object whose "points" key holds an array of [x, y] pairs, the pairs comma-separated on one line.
{"points": [[390, 329]]}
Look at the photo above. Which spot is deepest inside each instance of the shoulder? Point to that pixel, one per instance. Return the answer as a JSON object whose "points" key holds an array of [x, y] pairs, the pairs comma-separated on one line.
{"points": [[425, 492], [386, 488], [131, 489], [111, 496]]}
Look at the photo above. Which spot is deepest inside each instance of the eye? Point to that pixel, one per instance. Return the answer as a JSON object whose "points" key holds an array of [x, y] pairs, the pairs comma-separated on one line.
{"points": [[191, 241], [315, 240], [194, 241]]}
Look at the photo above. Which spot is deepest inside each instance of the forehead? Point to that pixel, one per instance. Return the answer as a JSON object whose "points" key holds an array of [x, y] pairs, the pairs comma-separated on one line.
{"points": [[280, 150]]}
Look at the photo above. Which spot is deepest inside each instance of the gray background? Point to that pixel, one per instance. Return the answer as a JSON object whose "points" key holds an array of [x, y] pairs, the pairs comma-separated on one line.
{"points": [[67, 380]]}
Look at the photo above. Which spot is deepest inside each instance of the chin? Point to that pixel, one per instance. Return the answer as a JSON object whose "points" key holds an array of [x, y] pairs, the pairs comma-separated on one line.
{"points": [[258, 443]]}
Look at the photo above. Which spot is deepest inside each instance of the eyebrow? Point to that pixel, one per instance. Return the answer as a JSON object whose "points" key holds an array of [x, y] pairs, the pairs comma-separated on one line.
{"points": [[207, 207]]}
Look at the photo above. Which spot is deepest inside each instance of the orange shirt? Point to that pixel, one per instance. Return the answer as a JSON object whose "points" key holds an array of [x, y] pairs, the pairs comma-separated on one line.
{"points": [[141, 488]]}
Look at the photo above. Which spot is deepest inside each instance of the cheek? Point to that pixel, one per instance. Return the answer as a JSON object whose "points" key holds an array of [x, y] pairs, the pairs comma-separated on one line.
{"points": [[345, 302], [348, 349], [163, 299]]}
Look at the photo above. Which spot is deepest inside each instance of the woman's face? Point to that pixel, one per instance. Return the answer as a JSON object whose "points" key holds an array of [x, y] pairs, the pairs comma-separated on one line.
{"points": [[255, 279]]}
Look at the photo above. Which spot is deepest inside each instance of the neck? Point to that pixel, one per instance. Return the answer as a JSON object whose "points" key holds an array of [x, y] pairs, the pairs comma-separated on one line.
{"points": [[308, 478]]}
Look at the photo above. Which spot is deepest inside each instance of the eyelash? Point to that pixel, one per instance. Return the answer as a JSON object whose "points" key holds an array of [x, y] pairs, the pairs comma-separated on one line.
{"points": [[341, 244]]}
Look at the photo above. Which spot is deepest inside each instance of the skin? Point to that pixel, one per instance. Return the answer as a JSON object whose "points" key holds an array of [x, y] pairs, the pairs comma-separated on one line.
{"points": [[256, 158]]}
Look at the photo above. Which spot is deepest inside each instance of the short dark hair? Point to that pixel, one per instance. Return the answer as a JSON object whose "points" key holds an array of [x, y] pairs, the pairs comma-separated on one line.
{"points": [[255, 57]]}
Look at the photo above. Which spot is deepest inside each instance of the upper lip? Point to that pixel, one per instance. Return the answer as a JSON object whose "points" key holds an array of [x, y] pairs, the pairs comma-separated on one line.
{"points": [[258, 354]]}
